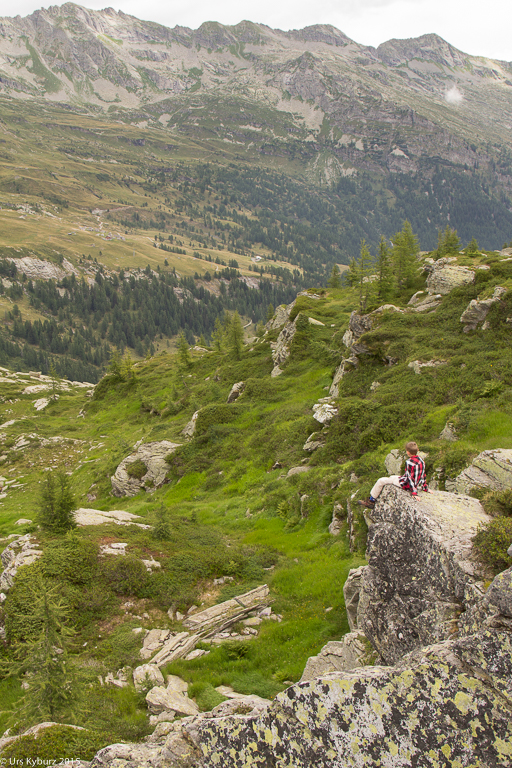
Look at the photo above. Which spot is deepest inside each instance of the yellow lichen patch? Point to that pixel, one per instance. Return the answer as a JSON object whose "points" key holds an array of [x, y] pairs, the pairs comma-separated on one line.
{"points": [[463, 702], [446, 750], [392, 748], [504, 747], [268, 736]]}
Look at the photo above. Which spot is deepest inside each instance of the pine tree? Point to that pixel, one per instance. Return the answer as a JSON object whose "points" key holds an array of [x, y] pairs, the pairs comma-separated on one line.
{"points": [[183, 351], [447, 242], [270, 312], [363, 269], [218, 335], [55, 382], [56, 504], [161, 528], [53, 690], [472, 248], [335, 278], [384, 272], [404, 255], [235, 336]]}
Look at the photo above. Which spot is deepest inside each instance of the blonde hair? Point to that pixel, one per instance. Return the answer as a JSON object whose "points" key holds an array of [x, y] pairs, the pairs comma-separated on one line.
{"points": [[412, 447]]}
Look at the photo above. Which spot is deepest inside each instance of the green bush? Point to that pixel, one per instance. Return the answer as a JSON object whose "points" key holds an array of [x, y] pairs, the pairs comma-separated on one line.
{"points": [[492, 541], [53, 744], [214, 414], [71, 558], [125, 575], [498, 503], [136, 469]]}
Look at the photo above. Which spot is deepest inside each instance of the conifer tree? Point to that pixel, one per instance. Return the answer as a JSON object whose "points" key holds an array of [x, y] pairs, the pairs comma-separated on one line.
{"points": [[335, 278], [235, 336], [183, 351], [447, 242], [56, 504], [359, 273], [404, 256], [218, 335], [53, 691], [384, 271], [161, 528]]}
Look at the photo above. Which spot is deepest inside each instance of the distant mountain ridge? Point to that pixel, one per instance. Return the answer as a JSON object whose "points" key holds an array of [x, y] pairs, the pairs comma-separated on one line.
{"points": [[425, 127]]}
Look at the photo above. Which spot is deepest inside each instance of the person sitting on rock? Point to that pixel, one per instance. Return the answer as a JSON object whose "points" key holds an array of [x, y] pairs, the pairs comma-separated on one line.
{"points": [[413, 480]]}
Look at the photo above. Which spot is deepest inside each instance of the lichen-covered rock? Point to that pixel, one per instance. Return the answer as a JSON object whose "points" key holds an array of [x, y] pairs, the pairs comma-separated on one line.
{"points": [[160, 699], [490, 469], [420, 559], [437, 708], [449, 433], [153, 456], [339, 516], [325, 410], [444, 276], [394, 462], [280, 317]]}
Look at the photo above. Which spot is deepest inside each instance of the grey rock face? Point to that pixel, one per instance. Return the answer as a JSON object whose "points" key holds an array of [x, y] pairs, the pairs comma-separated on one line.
{"points": [[339, 516], [449, 433], [350, 652], [477, 311], [490, 469], [236, 391], [351, 593], [147, 675], [190, 428], [420, 563], [281, 347], [153, 455], [357, 325], [445, 276], [394, 462], [22, 551]]}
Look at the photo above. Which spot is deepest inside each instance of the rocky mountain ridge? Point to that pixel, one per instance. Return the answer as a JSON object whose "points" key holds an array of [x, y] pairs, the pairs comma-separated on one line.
{"points": [[382, 108]]}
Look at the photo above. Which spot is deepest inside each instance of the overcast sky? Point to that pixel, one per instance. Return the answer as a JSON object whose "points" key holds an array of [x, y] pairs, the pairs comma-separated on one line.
{"points": [[473, 26]]}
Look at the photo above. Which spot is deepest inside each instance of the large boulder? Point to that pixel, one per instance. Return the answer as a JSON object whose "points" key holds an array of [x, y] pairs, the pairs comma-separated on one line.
{"points": [[152, 456], [490, 469], [421, 563], [445, 275], [447, 705]]}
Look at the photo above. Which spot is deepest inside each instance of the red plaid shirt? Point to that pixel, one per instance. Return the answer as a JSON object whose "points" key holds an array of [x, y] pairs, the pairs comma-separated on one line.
{"points": [[414, 477]]}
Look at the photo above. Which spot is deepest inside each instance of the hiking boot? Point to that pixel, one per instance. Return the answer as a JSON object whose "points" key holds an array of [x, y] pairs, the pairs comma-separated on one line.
{"points": [[368, 503]]}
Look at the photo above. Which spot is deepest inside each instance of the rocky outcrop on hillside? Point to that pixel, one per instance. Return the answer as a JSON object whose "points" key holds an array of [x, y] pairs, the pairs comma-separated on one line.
{"points": [[420, 569], [357, 326], [420, 604], [149, 456], [444, 275], [490, 469], [476, 311], [22, 551]]}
